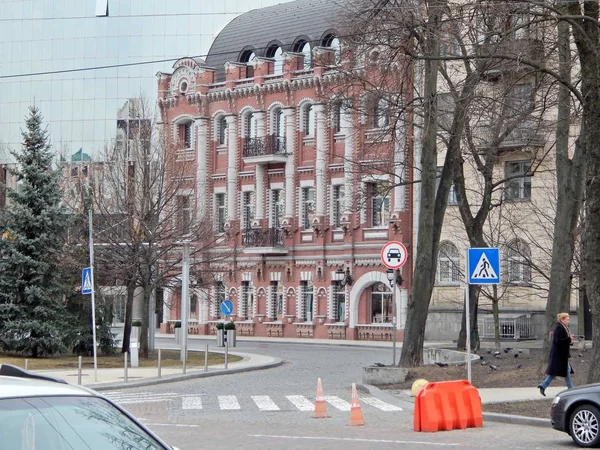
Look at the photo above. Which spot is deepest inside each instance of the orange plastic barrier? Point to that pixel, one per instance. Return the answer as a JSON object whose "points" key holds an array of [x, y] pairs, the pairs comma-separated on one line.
{"points": [[447, 405]]}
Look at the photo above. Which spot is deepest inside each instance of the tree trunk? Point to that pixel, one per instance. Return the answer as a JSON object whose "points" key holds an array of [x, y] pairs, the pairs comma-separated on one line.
{"points": [[128, 316], [424, 271], [496, 314], [473, 308], [145, 318], [569, 183]]}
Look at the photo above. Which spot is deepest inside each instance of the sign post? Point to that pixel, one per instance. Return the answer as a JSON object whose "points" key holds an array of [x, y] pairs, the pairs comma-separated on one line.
{"points": [[87, 288], [483, 267], [393, 256]]}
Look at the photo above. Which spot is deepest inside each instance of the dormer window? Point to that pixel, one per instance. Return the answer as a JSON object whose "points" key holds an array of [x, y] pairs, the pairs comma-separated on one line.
{"points": [[304, 48], [247, 57], [276, 53], [333, 42]]}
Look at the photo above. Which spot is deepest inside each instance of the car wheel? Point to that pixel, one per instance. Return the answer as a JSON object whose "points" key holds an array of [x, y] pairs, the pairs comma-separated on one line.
{"points": [[584, 426]]}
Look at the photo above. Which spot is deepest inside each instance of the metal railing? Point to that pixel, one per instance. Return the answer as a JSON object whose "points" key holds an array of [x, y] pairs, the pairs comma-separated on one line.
{"points": [[518, 327], [258, 237], [524, 135], [263, 146]]}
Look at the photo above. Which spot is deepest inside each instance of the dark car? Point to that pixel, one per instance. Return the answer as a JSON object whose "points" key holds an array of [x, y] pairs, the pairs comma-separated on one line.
{"points": [[39, 412], [394, 253], [577, 412]]}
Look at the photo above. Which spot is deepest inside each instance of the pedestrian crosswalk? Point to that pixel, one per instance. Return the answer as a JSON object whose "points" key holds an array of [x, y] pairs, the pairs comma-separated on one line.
{"points": [[233, 403]]}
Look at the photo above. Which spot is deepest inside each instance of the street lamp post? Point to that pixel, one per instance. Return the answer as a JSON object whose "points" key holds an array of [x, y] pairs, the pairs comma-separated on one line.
{"points": [[391, 276], [345, 279], [185, 297]]}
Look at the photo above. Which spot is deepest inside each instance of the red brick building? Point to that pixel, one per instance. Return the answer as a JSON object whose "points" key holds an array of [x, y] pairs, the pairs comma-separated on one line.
{"points": [[299, 181]]}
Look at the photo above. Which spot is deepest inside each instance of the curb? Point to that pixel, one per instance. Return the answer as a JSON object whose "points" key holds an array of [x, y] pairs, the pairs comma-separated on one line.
{"points": [[388, 398], [516, 420], [183, 377]]}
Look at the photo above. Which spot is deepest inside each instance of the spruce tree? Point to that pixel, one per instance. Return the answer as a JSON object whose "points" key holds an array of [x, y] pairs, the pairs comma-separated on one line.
{"points": [[33, 319]]}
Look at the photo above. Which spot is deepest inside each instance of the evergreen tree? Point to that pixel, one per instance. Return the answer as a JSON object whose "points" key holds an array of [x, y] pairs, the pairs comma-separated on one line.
{"points": [[33, 319]]}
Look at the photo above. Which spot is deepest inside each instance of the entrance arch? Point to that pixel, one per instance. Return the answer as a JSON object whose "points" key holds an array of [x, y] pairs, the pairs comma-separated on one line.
{"points": [[366, 281]]}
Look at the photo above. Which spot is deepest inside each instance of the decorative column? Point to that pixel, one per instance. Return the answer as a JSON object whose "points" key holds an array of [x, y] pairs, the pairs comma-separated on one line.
{"points": [[260, 192], [259, 116], [320, 161], [201, 158], [347, 125], [399, 168], [290, 132], [232, 173]]}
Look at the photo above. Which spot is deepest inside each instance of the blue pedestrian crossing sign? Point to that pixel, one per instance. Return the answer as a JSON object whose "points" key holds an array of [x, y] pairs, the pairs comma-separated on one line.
{"points": [[226, 307], [86, 281], [483, 265]]}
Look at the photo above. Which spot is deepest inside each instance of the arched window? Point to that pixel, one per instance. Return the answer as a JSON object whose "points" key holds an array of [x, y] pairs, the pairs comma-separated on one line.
{"points": [[276, 53], [184, 133], [448, 270], [333, 42], [247, 57], [308, 120], [381, 113], [222, 130], [304, 48], [249, 125], [381, 303], [518, 265]]}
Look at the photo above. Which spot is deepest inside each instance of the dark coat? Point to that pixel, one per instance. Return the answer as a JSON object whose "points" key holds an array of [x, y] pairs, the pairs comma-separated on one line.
{"points": [[559, 352]]}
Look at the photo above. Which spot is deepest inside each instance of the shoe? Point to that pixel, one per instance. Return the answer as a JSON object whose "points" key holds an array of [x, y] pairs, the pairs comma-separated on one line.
{"points": [[542, 390]]}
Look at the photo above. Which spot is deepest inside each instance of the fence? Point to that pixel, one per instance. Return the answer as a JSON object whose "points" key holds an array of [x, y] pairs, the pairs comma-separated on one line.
{"points": [[516, 327]]}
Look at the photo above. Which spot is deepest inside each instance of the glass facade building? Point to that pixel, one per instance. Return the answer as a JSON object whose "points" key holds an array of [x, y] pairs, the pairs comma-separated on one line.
{"points": [[80, 68]]}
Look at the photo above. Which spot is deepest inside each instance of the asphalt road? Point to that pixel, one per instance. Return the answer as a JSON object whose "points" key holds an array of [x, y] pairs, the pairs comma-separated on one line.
{"points": [[273, 408]]}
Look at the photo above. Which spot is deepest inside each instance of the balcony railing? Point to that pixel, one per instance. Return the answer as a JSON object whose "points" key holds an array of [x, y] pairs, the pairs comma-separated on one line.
{"points": [[526, 134], [257, 237], [264, 146]]}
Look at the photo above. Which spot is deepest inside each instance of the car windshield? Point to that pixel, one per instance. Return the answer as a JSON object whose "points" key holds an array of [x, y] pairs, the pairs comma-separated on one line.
{"points": [[69, 423]]}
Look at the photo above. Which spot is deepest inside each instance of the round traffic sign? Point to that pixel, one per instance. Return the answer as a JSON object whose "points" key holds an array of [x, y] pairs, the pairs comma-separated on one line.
{"points": [[394, 255]]}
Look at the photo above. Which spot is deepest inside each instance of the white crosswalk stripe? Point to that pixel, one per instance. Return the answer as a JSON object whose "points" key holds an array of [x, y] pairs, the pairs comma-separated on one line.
{"points": [[228, 402], [191, 402], [124, 398], [264, 403], [337, 402], [379, 404], [301, 402]]}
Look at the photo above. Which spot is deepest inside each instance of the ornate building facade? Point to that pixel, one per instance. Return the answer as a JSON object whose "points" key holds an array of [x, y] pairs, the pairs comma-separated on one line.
{"points": [[295, 177]]}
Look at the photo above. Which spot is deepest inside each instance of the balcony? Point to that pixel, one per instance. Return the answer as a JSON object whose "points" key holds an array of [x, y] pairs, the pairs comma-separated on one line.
{"points": [[263, 241], [496, 58], [264, 150], [527, 134]]}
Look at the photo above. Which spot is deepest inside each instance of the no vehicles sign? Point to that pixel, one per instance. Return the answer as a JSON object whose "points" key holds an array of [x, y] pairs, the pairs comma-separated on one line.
{"points": [[394, 255]]}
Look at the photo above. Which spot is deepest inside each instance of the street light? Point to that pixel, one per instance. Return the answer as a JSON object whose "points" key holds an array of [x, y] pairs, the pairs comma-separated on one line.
{"points": [[344, 278], [393, 278]]}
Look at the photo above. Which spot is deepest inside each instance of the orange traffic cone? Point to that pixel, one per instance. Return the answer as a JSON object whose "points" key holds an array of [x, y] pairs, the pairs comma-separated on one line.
{"points": [[320, 411], [356, 415]]}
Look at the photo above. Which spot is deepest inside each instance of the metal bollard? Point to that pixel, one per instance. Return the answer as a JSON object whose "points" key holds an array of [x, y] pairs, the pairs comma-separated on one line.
{"points": [[206, 358], [184, 364], [159, 363], [26, 363], [79, 370], [125, 363], [226, 353]]}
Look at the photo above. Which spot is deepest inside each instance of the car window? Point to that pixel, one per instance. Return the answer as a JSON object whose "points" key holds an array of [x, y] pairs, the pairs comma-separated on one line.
{"points": [[69, 423]]}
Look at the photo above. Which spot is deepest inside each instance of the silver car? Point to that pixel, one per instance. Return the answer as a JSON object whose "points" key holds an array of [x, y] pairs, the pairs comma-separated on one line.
{"points": [[44, 413]]}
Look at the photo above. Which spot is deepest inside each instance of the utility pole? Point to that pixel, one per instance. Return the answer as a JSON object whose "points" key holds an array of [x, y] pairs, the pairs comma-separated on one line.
{"points": [[93, 295], [185, 299]]}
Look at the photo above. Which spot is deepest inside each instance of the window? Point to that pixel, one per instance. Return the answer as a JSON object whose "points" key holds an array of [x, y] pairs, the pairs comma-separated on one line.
{"points": [[276, 300], [336, 118], [245, 304], [308, 205], [449, 45], [193, 304], [74, 172], [333, 42], [380, 204], [277, 208], [220, 212], [518, 266], [446, 106], [184, 212], [518, 184], [381, 113], [249, 125], [308, 117], [338, 204], [453, 194], [339, 302], [220, 295], [185, 135], [381, 304], [304, 48], [222, 129], [101, 8], [248, 209], [448, 271], [278, 127], [519, 101], [307, 297], [276, 53], [247, 57]]}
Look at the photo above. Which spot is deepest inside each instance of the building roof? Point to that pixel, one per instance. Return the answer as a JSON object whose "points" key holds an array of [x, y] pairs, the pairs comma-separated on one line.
{"points": [[80, 156], [310, 20]]}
